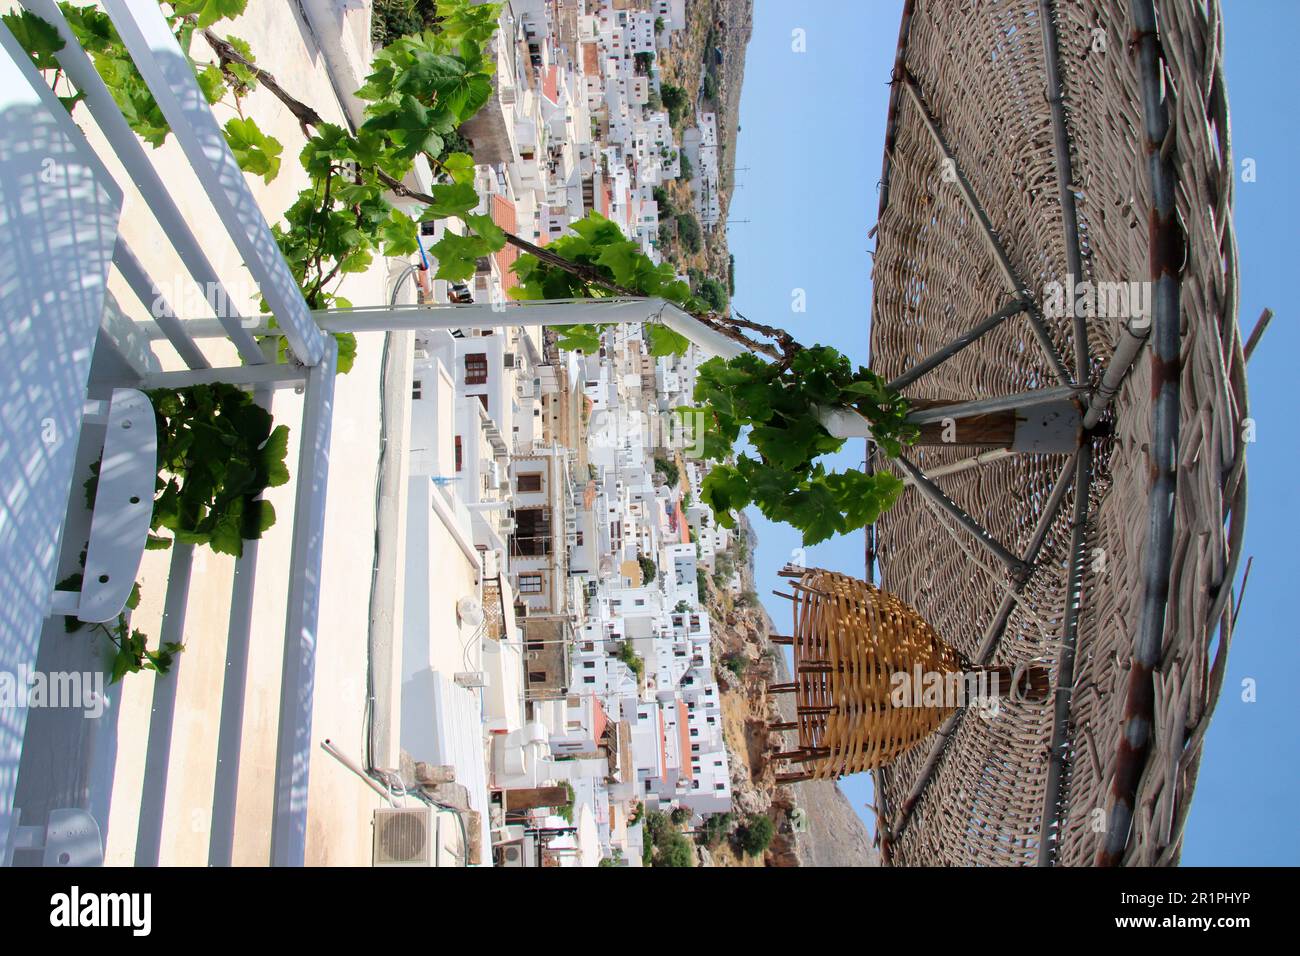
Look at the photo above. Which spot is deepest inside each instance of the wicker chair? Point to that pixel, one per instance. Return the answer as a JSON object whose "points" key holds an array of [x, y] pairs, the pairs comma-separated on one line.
{"points": [[872, 679]]}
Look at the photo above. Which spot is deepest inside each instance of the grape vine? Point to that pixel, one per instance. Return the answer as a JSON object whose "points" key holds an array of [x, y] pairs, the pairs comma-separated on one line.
{"points": [[773, 404], [421, 88]]}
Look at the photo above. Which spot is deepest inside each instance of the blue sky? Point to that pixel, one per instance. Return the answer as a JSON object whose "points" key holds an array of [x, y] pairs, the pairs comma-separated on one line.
{"points": [[812, 135]]}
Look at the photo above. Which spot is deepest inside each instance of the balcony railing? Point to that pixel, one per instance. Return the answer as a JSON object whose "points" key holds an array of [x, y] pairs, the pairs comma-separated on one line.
{"points": [[59, 214]]}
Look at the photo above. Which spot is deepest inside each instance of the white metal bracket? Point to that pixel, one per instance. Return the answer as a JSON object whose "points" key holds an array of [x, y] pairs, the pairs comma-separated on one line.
{"points": [[119, 525]]}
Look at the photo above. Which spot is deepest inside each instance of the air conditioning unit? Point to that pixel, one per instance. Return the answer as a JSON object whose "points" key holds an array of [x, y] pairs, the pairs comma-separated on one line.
{"points": [[509, 359], [513, 854], [404, 836]]}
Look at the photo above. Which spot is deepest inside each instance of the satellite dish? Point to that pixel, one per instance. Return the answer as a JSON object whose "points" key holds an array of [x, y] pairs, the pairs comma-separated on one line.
{"points": [[469, 611]]}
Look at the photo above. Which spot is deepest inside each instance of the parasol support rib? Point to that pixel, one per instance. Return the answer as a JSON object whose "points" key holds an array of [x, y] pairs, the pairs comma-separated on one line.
{"points": [[941, 355], [1001, 403], [988, 647], [1049, 833], [934, 494], [991, 239], [1064, 176]]}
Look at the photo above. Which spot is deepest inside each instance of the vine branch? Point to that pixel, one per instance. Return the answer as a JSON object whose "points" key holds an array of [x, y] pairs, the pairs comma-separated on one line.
{"points": [[309, 119]]}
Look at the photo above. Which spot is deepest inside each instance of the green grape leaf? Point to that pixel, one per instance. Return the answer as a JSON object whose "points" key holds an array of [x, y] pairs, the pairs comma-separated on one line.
{"points": [[450, 199], [724, 489], [621, 259], [226, 535], [212, 83], [242, 73], [209, 11], [414, 127], [37, 37], [272, 455], [458, 256], [330, 146], [256, 152], [157, 543], [258, 516], [431, 75], [664, 341], [398, 234], [358, 260], [459, 166], [347, 343], [816, 513], [487, 230]]}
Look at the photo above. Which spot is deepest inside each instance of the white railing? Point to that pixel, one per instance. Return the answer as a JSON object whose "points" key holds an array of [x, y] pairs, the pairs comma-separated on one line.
{"points": [[59, 208]]}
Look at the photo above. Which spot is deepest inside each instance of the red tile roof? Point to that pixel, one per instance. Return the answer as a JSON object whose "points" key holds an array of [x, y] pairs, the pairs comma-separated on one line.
{"points": [[551, 85], [503, 214], [663, 746], [683, 527], [683, 730]]}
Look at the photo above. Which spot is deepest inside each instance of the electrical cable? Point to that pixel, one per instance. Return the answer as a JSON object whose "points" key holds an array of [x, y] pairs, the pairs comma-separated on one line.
{"points": [[396, 790]]}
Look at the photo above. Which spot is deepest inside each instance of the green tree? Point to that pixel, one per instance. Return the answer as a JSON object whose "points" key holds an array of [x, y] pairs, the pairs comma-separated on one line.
{"points": [[756, 835], [566, 810], [713, 292], [644, 61], [710, 87], [736, 662], [391, 19], [717, 827], [668, 468], [675, 850], [685, 170], [648, 568], [631, 658], [675, 101], [656, 825], [688, 230]]}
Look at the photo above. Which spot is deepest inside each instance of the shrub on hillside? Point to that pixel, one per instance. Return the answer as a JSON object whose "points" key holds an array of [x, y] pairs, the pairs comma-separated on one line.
{"points": [[688, 230], [714, 293], [756, 835], [668, 468], [717, 827], [675, 850], [675, 101]]}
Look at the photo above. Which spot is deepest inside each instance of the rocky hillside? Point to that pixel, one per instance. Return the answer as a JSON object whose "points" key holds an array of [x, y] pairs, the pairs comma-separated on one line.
{"points": [[714, 25], [831, 833]]}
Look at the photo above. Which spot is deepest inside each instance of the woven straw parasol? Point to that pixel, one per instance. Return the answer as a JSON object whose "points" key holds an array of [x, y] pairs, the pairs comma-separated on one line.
{"points": [[1081, 488]]}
